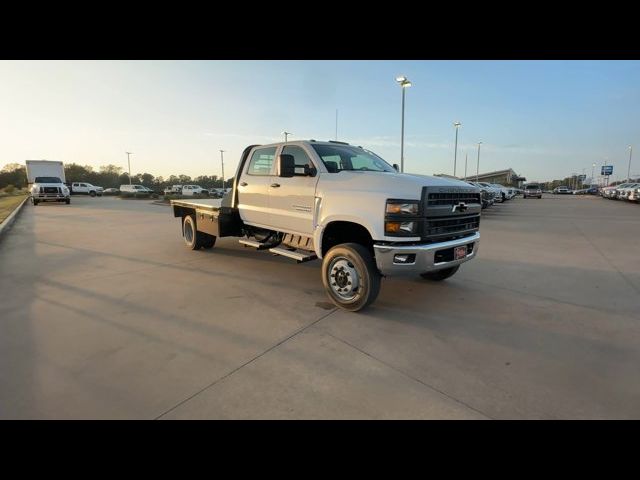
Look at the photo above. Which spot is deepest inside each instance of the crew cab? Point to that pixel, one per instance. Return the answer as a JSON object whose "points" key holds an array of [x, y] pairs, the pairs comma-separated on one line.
{"points": [[85, 188], [345, 205]]}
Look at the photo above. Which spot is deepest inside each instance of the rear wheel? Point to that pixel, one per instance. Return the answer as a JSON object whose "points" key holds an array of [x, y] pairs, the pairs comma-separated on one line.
{"points": [[350, 276], [67, 201], [189, 233], [194, 239], [35, 202], [440, 275]]}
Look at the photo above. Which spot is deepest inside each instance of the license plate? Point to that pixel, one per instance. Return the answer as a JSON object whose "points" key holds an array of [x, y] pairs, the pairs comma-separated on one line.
{"points": [[459, 252]]}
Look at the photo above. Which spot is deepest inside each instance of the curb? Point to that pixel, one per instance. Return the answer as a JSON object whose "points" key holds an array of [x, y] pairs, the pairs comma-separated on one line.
{"points": [[9, 220]]}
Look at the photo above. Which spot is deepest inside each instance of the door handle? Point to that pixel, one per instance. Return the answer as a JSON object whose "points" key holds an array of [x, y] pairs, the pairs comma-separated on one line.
{"points": [[275, 185], [243, 184]]}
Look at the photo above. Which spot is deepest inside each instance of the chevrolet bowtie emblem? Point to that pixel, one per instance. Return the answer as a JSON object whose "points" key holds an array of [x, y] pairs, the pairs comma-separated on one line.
{"points": [[461, 206]]}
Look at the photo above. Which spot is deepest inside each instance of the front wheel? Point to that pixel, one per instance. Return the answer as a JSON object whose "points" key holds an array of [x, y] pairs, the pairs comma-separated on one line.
{"points": [[440, 275], [68, 201], [350, 276]]}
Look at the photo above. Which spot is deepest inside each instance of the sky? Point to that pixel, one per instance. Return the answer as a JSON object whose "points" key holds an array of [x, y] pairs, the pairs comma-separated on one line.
{"points": [[544, 119]]}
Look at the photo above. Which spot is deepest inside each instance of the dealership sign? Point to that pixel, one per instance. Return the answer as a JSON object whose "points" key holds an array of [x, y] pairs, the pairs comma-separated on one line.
{"points": [[607, 170]]}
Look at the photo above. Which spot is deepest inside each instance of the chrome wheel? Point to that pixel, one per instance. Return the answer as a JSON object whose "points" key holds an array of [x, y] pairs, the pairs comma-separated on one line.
{"points": [[344, 279]]}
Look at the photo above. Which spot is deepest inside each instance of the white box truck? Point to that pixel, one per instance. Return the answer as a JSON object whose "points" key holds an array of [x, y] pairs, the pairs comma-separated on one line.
{"points": [[47, 181]]}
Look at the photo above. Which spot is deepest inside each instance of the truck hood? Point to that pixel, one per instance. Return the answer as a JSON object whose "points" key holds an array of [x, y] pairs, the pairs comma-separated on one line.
{"points": [[394, 185]]}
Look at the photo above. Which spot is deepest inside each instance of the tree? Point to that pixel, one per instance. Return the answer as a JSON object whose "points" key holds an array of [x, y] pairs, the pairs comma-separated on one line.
{"points": [[13, 174], [146, 179], [11, 167]]}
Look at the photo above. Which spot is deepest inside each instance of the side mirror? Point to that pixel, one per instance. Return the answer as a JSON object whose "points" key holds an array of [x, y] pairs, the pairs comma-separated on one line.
{"points": [[309, 171], [397, 167], [286, 167]]}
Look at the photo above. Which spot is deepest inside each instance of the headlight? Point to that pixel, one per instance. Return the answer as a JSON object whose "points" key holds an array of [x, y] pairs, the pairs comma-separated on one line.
{"points": [[400, 207], [399, 227]]}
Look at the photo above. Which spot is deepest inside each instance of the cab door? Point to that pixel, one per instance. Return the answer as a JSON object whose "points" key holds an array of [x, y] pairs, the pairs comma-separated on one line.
{"points": [[253, 187], [291, 200]]}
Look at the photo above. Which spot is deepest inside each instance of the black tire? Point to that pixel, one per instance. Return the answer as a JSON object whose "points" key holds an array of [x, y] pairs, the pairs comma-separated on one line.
{"points": [[67, 201], [35, 202], [440, 275], [208, 241], [190, 234], [360, 265], [92, 193]]}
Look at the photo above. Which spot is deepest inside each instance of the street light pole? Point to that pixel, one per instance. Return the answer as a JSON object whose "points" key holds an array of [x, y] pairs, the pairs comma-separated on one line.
{"points": [[478, 166], [129, 163], [404, 83], [286, 135], [455, 151], [629, 169], [222, 160], [466, 156], [593, 168]]}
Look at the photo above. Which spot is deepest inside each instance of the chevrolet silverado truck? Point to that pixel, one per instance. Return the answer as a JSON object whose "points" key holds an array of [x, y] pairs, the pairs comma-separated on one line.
{"points": [[346, 206], [46, 182]]}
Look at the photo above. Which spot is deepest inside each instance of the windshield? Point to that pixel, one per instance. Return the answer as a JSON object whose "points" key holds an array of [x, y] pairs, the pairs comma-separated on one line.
{"points": [[532, 187], [48, 180], [345, 157]]}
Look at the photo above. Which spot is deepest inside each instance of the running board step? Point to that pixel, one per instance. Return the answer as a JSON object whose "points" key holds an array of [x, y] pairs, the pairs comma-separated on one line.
{"points": [[254, 244], [300, 257]]}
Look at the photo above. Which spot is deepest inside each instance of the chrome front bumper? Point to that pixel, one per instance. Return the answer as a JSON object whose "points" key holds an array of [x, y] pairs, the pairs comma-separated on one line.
{"points": [[425, 256]]}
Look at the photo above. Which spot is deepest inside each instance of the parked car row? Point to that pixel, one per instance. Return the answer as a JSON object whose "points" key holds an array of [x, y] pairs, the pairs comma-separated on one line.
{"points": [[493, 193], [191, 190], [624, 191]]}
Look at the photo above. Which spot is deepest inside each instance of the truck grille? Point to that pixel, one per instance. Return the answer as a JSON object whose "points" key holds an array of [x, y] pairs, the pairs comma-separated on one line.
{"points": [[49, 189], [450, 212], [450, 227], [452, 198]]}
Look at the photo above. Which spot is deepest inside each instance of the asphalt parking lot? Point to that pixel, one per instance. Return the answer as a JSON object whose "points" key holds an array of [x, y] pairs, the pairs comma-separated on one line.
{"points": [[104, 314]]}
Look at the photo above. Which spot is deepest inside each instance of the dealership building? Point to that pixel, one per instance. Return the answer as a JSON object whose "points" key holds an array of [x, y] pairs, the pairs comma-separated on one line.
{"points": [[506, 177], [503, 177]]}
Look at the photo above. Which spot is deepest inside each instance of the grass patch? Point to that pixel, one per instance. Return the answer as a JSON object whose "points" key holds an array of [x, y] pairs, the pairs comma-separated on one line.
{"points": [[8, 203]]}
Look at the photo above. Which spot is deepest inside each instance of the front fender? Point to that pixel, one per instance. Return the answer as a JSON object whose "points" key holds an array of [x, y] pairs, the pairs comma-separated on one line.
{"points": [[320, 228]]}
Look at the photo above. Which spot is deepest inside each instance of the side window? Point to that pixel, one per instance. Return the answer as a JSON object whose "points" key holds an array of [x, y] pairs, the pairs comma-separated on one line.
{"points": [[83, 184], [262, 161], [300, 157]]}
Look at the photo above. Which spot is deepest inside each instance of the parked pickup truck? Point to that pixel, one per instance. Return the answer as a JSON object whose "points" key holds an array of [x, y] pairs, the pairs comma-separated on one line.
{"points": [[344, 205], [84, 188]]}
